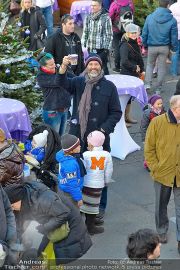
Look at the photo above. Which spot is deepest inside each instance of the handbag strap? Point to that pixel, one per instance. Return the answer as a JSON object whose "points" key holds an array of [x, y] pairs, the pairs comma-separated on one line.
{"points": [[133, 49]]}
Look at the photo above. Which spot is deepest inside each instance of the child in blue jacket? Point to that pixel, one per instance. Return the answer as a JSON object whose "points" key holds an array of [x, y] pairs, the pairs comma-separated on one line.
{"points": [[71, 168], [36, 147]]}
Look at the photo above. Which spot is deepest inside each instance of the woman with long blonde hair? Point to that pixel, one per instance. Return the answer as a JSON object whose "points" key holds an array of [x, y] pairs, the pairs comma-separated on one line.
{"points": [[32, 18]]}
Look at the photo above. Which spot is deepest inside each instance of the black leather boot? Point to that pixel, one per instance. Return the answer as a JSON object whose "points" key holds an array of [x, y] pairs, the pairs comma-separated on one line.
{"points": [[90, 223]]}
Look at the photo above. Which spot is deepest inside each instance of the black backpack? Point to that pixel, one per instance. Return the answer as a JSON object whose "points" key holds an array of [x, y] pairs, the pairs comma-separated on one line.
{"points": [[123, 17]]}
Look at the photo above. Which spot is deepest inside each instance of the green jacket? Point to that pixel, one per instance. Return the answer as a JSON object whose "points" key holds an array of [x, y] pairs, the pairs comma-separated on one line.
{"points": [[162, 149]]}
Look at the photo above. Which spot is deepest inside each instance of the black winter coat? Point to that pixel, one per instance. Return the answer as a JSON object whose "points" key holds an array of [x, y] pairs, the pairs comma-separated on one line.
{"points": [[105, 110], [37, 26], [56, 46], [52, 210], [130, 56], [55, 96]]}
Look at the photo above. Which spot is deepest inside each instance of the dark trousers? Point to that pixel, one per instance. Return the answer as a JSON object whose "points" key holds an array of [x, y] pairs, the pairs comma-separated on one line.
{"points": [[162, 197], [103, 201], [90, 221], [116, 44], [104, 57]]}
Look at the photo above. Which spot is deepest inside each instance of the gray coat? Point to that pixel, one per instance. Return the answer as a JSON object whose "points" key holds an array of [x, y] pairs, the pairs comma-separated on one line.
{"points": [[8, 235], [7, 219]]}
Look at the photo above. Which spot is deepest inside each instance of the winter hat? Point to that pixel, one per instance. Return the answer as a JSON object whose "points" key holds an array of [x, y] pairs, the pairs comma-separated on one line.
{"points": [[153, 99], [96, 138], [132, 28], [43, 57], [41, 138], [93, 57], [69, 142]]}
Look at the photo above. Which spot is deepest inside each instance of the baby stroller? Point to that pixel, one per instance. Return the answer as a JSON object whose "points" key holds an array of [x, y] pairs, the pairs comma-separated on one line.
{"points": [[47, 171]]}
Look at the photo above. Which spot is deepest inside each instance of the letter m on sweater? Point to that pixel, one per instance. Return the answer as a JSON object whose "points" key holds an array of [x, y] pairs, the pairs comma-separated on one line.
{"points": [[97, 163]]}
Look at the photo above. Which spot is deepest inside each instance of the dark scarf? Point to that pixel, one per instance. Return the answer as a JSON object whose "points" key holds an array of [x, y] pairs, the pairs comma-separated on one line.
{"points": [[172, 118], [27, 18], [134, 46], [79, 158], [85, 102]]}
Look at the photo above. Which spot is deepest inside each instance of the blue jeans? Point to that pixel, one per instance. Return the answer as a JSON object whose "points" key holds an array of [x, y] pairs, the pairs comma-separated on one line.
{"points": [[56, 119], [47, 12], [174, 59]]}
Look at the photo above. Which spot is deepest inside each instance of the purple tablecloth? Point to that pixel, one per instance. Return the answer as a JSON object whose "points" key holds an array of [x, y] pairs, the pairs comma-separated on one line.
{"points": [[130, 85], [79, 8], [14, 119], [55, 6]]}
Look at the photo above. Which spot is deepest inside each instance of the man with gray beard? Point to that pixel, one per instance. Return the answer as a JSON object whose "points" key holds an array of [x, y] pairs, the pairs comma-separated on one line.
{"points": [[96, 105]]}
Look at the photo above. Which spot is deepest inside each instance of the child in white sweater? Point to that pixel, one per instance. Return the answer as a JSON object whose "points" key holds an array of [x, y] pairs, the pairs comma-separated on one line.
{"points": [[99, 167]]}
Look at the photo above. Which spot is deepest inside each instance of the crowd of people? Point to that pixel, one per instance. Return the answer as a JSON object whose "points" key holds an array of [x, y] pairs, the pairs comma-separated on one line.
{"points": [[66, 190]]}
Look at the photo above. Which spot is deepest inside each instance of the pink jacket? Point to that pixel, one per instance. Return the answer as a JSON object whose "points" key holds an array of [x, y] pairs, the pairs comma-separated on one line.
{"points": [[114, 10]]}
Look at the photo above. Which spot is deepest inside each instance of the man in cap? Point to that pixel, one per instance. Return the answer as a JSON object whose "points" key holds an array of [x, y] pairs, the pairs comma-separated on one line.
{"points": [[97, 33], [162, 152], [96, 104]]}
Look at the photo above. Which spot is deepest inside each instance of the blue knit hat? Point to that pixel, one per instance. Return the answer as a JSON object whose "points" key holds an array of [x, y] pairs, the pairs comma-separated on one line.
{"points": [[93, 57]]}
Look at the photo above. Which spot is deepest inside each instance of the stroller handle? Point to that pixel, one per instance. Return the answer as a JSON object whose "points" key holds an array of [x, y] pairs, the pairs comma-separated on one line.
{"points": [[39, 168]]}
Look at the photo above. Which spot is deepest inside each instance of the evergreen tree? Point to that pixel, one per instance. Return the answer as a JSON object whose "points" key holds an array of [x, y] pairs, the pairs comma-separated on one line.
{"points": [[16, 76], [142, 9]]}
